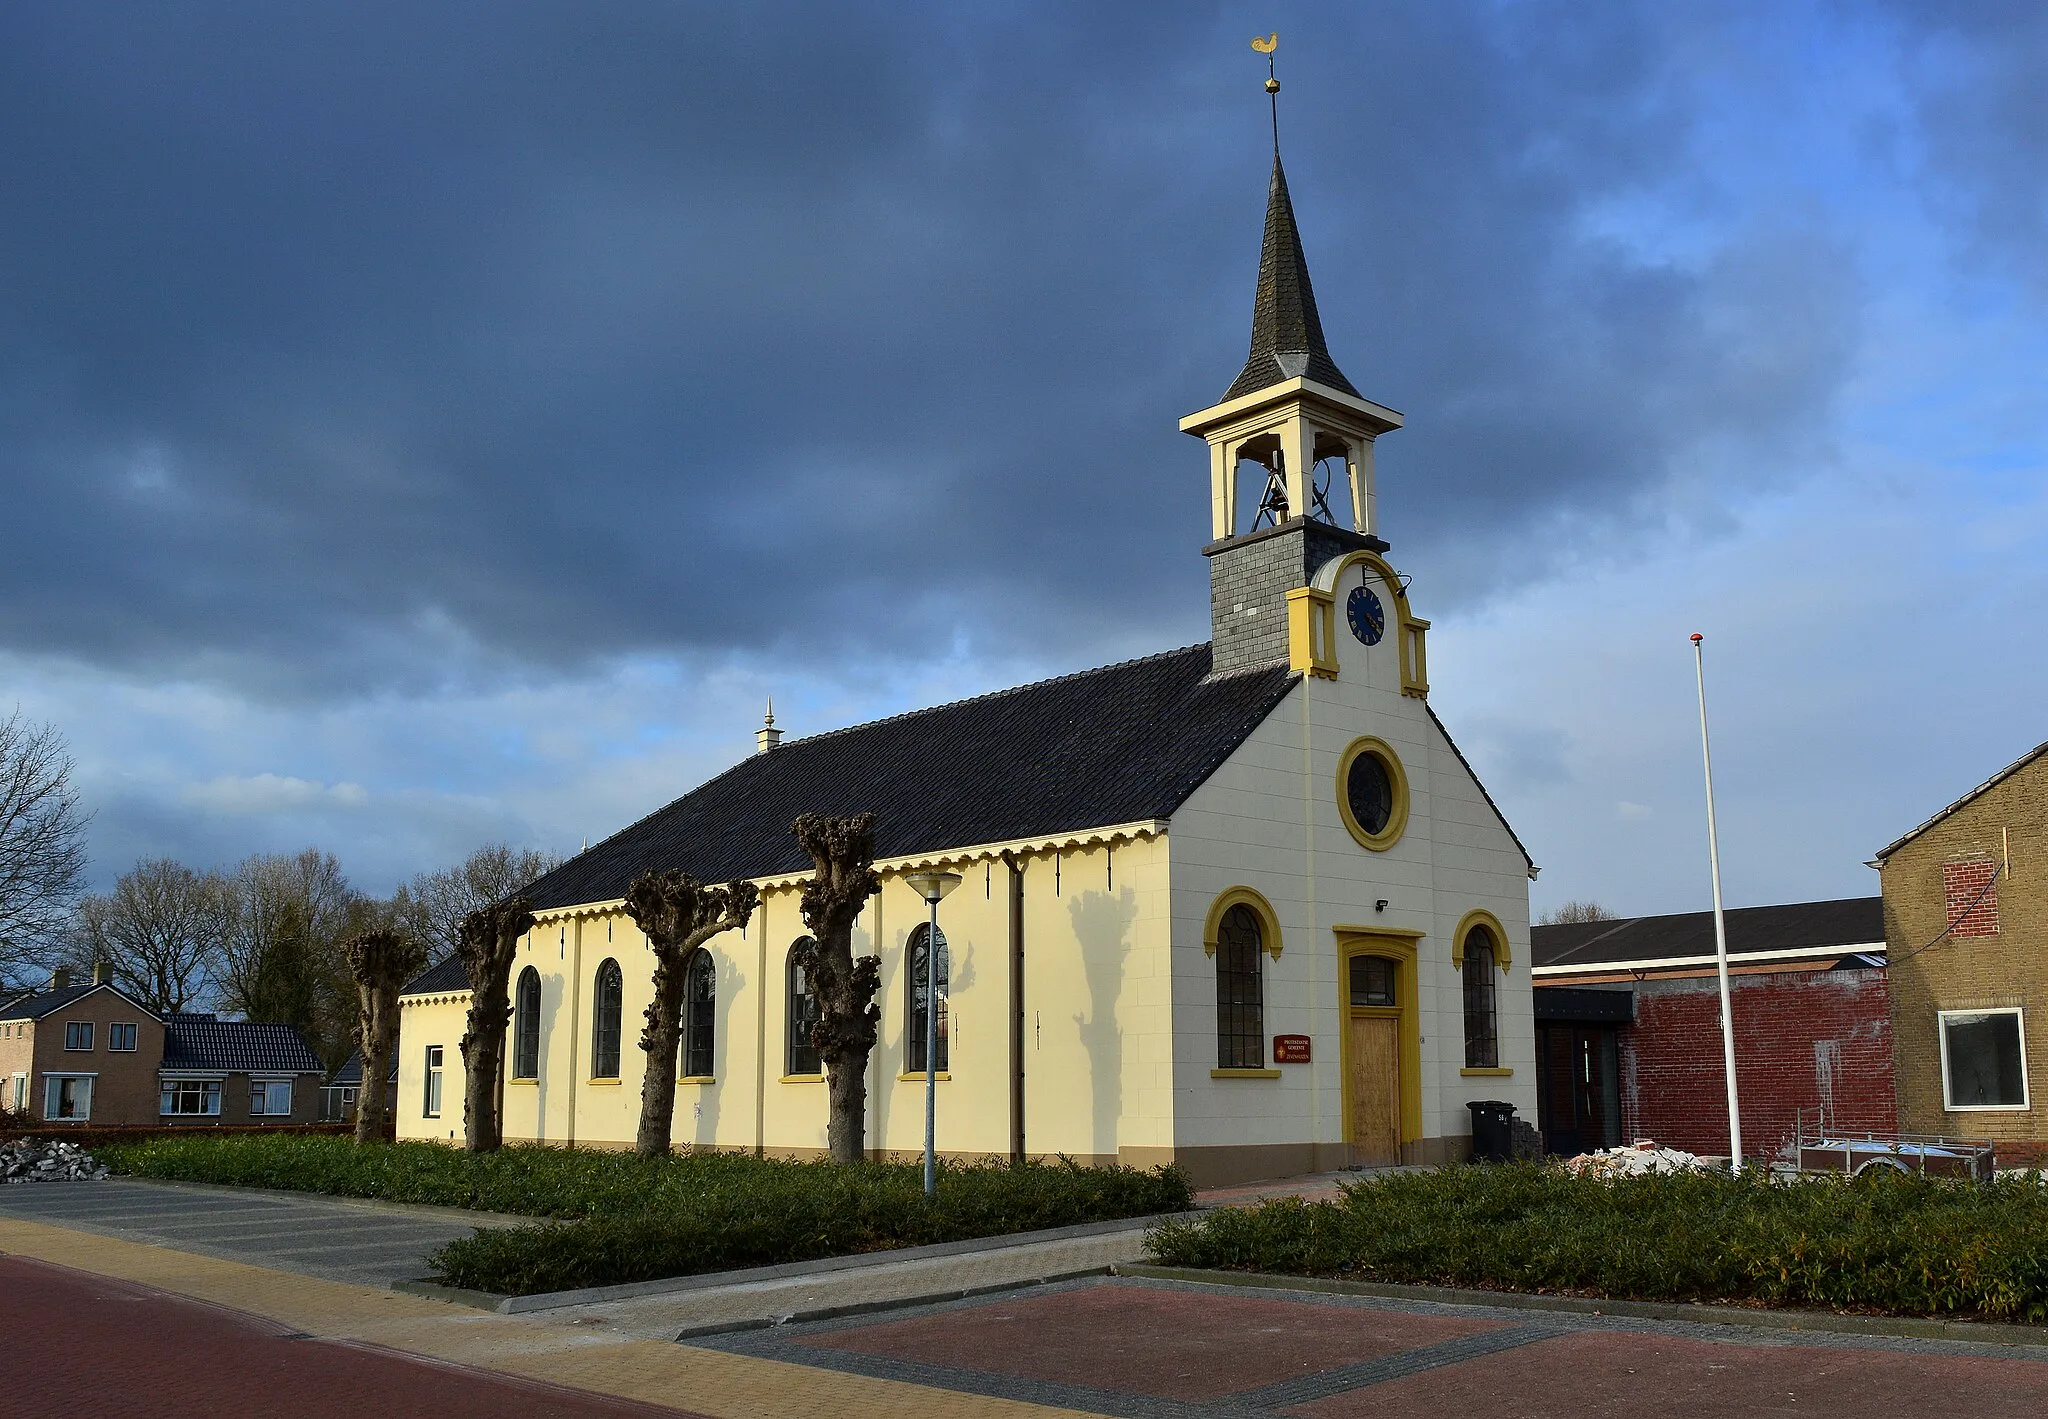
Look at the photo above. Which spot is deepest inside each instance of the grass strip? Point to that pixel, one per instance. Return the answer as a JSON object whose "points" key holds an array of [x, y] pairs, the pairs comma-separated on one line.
{"points": [[617, 1218], [1880, 1244]]}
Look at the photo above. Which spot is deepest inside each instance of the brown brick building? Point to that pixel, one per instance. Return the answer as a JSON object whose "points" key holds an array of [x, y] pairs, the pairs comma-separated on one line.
{"points": [[93, 1055], [1966, 932]]}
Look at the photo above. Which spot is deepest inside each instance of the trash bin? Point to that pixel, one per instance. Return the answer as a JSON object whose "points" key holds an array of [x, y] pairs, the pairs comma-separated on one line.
{"points": [[1493, 1131]]}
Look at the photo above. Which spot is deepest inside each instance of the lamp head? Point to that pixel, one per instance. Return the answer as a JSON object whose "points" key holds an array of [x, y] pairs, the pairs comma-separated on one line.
{"points": [[931, 884]]}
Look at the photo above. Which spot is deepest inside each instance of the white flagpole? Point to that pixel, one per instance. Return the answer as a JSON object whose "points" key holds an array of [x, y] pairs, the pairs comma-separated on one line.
{"points": [[1720, 920]]}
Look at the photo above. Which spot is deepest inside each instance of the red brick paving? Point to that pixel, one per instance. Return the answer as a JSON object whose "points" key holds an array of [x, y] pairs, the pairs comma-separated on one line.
{"points": [[78, 1344], [1137, 1340], [1617, 1375]]}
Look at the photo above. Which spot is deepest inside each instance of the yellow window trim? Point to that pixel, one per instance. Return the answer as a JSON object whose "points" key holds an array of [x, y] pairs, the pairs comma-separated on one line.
{"points": [[611, 1079], [524, 1079], [1245, 1074], [1503, 1073], [1269, 920], [1397, 776], [698, 1079], [918, 1075], [1499, 933], [803, 1079]]}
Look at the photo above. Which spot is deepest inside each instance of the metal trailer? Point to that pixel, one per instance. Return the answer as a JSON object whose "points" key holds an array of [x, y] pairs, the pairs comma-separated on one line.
{"points": [[1820, 1149]]}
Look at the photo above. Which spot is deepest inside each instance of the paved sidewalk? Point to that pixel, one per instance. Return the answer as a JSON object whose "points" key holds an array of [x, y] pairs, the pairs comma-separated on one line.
{"points": [[341, 1239]]}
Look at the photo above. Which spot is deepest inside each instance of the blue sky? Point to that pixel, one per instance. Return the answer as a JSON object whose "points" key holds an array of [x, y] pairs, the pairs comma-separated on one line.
{"points": [[433, 423]]}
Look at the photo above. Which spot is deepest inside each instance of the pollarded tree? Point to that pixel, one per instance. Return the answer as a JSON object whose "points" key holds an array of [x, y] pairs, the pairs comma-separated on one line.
{"points": [[842, 879], [490, 939], [381, 961], [677, 914]]}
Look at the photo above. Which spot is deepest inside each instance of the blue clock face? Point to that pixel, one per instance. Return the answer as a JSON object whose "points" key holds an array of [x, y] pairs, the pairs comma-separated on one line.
{"points": [[1367, 617]]}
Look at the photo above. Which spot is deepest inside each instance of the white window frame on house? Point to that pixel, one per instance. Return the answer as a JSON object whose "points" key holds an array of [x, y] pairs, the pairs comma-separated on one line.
{"points": [[263, 1093], [118, 1032], [52, 1091], [75, 1031], [430, 1104], [209, 1086], [1948, 1104], [21, 1093]]}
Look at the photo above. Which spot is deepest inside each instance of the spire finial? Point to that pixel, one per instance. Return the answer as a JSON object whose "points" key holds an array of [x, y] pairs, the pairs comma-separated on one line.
{"points": [[1266, 47], [767, 736]]}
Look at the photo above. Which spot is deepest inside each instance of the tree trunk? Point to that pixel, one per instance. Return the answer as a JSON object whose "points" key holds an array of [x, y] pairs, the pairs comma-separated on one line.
{"points": [[490, 943], [380, 1038], [842, 854], [483, 1060], [661, 1039]]}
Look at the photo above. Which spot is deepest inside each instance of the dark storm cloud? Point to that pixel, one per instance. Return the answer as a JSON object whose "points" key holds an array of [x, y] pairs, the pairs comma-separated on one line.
{"points": [[349, 347]]}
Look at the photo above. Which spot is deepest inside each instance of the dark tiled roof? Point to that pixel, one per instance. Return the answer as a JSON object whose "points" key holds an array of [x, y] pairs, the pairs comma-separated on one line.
{"points": [[1287, 334], [1120, 744], [351, 1071], [444, 975], [1990, 783], [1819, 926], [35, 1007], [203, 1042]]}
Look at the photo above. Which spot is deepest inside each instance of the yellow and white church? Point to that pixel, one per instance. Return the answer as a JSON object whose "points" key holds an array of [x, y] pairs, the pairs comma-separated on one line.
{"points": [[1242, 907]]}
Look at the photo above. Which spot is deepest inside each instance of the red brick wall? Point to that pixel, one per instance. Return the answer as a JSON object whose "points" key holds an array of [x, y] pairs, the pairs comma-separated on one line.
{"points": [[1802, 1038], [1969, 889]]}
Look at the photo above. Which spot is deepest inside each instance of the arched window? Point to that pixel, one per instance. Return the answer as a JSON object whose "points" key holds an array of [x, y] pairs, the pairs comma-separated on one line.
{"points": [[1240, 997], [917, 989], [700, 1015], [1482, 1024], [606, 1004], [526, 1026], [801, 1056]]}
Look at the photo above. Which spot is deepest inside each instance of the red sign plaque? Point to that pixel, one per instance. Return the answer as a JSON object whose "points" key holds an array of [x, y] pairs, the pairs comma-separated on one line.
{"points": [[1290, 1049]]}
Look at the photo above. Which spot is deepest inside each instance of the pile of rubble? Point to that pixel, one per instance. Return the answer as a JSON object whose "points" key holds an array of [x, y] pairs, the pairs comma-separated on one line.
{"points": [[1635, 1160], [27, 1160]]}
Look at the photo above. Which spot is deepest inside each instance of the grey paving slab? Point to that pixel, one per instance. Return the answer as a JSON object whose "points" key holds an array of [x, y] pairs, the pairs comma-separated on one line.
{"points": [[341, 1239]]}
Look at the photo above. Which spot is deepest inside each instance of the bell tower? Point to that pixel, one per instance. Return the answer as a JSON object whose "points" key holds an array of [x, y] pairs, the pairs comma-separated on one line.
{"points": [[1293, 432]]}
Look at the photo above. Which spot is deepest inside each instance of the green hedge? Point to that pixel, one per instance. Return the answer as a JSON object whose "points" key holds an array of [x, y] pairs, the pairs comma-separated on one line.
{"points": [[1884, 1243], [624, 1219]]}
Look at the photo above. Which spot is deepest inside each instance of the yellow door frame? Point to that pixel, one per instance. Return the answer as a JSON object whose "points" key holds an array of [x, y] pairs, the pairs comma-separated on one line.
{"points": [[1402, 946]]}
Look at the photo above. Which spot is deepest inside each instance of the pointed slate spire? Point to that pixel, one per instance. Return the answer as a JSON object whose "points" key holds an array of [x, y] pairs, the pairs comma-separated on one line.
{"points": [[1287, 334]]}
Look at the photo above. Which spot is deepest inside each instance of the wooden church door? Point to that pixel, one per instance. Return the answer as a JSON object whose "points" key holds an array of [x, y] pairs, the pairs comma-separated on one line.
{"points": [[1375, 1089]]}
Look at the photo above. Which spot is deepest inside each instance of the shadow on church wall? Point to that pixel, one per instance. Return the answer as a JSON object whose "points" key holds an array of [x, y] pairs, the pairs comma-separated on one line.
{"points": [[1102, 926]]}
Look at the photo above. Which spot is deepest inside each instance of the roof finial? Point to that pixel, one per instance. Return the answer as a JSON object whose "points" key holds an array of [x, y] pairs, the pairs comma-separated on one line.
{"points": [[1266, 47], [767, 736]]}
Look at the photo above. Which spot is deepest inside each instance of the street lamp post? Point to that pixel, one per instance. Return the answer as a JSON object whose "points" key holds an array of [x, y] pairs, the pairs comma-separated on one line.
{"points": [[1720, 921], [932, 885]]}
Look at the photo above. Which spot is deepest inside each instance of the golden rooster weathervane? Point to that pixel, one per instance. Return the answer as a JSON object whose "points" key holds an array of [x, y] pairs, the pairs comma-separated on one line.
{"points": [[1266, 47]]}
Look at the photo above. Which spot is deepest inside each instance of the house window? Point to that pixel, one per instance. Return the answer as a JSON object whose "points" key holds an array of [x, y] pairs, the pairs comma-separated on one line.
{"points": [[270, 1096], [78, 1034], [190, 1096], [431, 1105], [918, 990], [68, 1096], [1372, 981], [700, 1011], [1983, 1059], [802, 997], [526, 1026], [607, 1005], [1240, 995], [21, 1093], [1482, 1020], [121, 1039]]}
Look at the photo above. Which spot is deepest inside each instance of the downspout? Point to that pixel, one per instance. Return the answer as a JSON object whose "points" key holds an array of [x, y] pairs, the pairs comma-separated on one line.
{"points": [[1016, 866], [761, 1041], [575, 1030]]}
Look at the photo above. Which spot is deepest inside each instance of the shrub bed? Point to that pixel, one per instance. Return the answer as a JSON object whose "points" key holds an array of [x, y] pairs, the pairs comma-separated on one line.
{"points": [[620, 1218], [94, 1137], [1880, 1243]]}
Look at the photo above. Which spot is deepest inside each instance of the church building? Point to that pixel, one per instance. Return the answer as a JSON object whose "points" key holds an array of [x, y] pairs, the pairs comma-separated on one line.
{"points": [[1242, 906]]}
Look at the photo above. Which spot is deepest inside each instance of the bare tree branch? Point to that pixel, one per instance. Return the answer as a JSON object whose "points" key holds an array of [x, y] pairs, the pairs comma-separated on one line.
{"points": [[42, 845], [432, 905], [160, 930]]}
